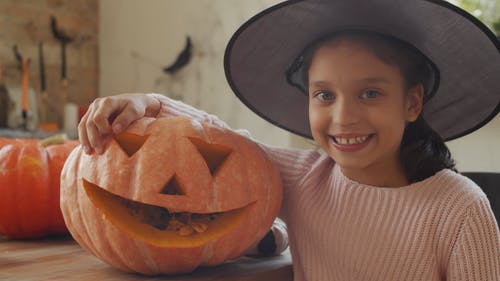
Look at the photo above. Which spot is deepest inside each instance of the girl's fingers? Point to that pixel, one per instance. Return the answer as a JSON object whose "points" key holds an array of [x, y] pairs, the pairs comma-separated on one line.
{"points": [[95, 140], [129, 114], [82, 134], [120, 111], [97, 125], [105, 108], [91, 135]]}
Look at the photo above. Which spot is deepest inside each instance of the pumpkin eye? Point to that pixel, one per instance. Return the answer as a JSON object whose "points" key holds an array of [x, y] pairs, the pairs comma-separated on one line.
{"points": [[214, 154], [130, 143], [173, 187]]}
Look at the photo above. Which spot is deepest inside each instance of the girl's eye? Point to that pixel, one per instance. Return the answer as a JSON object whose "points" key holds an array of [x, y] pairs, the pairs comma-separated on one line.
{"points": [[370, 94], [324, 96]]}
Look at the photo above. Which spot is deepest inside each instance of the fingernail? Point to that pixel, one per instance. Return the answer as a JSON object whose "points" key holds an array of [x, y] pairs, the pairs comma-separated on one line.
{"points": [[98, 150], [117, 128]]}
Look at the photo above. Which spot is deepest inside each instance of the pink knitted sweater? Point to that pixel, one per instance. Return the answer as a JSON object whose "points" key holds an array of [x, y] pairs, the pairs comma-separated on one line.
{"points": [[441, 228]]}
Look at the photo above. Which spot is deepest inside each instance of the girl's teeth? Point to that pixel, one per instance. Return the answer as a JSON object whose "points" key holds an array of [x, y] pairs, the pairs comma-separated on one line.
{"points": [[356, 140]]}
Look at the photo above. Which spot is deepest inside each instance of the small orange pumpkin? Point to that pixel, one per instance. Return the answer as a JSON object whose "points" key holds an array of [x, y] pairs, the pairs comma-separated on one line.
{"points": [[29, 187], [169, 195]]}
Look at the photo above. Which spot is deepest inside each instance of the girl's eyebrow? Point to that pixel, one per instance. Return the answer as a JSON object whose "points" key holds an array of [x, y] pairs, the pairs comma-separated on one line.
{"points": [[319, 84], [375, 80], [365, 80]]}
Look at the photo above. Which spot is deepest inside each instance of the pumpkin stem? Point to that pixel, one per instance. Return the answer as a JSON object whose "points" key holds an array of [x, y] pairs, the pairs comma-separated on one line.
{"points": [[53, 140]]}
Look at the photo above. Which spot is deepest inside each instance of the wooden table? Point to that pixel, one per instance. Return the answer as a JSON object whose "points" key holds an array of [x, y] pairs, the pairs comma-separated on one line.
{"points": [[63, 259]]}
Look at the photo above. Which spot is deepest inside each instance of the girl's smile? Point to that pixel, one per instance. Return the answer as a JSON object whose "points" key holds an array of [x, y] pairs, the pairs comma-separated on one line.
{"points": [[351, 142]]}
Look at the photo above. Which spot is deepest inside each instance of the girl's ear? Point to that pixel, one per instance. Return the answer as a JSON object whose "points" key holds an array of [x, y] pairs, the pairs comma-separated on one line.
{"points": [[414, 102]]}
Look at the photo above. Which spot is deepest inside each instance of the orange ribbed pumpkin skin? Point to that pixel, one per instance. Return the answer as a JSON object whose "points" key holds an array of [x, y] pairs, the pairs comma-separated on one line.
{"points": [[29, 187], [246, 180]]}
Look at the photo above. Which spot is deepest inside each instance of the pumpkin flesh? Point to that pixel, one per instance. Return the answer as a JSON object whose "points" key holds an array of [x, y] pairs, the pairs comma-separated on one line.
{"points": [[118, 211]]}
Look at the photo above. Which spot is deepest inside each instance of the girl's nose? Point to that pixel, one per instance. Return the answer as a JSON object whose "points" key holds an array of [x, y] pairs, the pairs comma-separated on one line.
{"points": [[345, 112]]}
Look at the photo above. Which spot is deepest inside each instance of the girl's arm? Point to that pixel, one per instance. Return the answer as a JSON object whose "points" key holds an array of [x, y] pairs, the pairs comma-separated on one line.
{"points": [[476, 252], [111, 115], [292, 163]]}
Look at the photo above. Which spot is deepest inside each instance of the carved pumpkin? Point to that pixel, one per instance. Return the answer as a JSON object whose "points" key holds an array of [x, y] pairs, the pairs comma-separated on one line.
{"points": [[29, 187], [169, 195]]}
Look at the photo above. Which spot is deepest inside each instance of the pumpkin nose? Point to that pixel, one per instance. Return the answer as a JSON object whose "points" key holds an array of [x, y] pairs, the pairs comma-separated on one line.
{"points": [[173, 187]]}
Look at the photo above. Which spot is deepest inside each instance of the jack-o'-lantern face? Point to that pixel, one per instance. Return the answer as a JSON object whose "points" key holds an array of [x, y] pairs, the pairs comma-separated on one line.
{"points": [[173, 186], [172, 223]]}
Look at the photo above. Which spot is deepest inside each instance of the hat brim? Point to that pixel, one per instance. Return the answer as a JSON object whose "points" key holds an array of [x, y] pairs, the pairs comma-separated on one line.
{"points": [[465, 51]]}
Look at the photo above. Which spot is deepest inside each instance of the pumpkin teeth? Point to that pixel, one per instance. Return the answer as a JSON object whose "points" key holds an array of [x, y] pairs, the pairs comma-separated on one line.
{"points": [[199, 227], [156, 231], [186, 230], [182, 223]]}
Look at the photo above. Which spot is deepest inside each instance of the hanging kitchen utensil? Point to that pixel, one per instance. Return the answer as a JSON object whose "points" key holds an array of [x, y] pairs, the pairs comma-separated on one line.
{"points": [[43, 86], [64, 39], [24, 85], [4, 102], [44, 106], [24, 65], [70, 110], [22, 110]]}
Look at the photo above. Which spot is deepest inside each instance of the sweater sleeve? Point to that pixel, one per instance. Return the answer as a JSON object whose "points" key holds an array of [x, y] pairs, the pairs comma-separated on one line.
{"points": [[475, 255], [291, 163]]}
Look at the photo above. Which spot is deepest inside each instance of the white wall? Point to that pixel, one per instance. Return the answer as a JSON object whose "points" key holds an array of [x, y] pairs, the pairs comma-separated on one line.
{"points": [[479, 151], [138, 38]]}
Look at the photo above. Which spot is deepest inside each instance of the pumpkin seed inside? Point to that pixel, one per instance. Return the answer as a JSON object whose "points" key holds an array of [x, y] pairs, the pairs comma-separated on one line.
{"points": [[183, 223]]}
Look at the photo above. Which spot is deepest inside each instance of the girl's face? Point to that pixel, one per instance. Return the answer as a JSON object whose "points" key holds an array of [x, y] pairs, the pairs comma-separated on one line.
{"points": [[358, 106]]}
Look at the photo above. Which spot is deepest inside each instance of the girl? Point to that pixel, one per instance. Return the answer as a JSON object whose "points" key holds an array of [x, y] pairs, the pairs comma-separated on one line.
{"points": [[383, 202]]}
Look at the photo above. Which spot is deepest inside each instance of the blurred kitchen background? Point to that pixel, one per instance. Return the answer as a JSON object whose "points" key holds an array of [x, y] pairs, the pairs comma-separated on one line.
{"points": [[56, 56]]}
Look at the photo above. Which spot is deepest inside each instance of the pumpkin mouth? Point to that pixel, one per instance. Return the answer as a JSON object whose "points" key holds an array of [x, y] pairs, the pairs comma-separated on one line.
{"points": [[157, 226]]}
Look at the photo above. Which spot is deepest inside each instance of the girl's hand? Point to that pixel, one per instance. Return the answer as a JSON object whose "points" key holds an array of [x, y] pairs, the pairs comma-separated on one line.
{"points": [[112, 115]]}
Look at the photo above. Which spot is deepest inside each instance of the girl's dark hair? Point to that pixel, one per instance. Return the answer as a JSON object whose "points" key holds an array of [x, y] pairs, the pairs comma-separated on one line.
{"points": [[423, 151]]}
